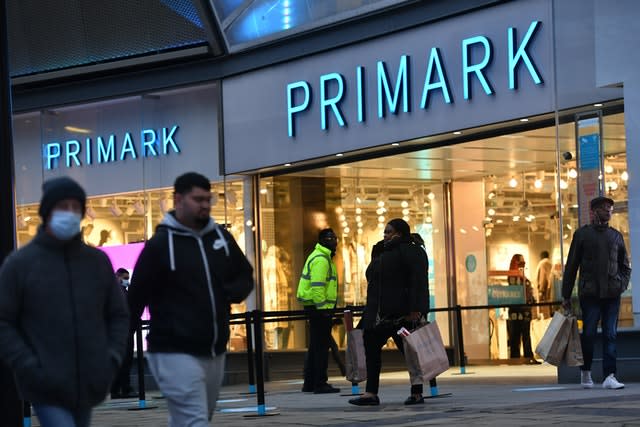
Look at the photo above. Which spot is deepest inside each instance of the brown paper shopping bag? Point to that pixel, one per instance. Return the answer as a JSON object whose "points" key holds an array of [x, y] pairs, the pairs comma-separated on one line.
{"points": [[553, 344], [573, 352], [355, 364], [424, 353]]}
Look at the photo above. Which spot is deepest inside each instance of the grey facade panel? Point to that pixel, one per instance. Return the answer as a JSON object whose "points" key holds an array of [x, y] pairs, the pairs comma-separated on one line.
{"points": [[255, 104]]}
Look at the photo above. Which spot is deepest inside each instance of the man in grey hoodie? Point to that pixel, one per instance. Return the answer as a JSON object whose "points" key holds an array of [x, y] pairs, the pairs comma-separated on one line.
{"points": [[189, 273], [63, 319]]}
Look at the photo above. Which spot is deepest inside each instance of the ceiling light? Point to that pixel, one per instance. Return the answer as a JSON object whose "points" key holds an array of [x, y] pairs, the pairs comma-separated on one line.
{"points": [[563, 184], [287, 164], [395, 144], [457, 132], [513, 183], [75, 129], [431, 196], [524, 120], [404, 204], [491, 212], [608, 169], [91, 213], [624, 176], [597, 104], [115, 210], [138, 207], [573, 174], [537, 184], [339, 155]]}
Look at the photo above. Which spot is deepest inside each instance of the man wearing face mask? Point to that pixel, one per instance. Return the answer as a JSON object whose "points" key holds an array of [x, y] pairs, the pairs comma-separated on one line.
{"points": [[63, 319], [121, 387], [318, 292]]}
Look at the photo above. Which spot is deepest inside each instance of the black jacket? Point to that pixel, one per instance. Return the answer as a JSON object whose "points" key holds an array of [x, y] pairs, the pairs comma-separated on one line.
{"points": [[397, 281], [63, 321], [189, 279], [600, 254]]}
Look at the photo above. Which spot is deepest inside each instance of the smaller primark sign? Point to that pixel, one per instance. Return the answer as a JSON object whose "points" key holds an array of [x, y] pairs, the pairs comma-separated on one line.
{"points": [[101, 149]]}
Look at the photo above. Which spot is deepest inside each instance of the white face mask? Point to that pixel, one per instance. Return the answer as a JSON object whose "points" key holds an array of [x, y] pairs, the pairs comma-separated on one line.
{"points": [[64, 224], [125, 283]]}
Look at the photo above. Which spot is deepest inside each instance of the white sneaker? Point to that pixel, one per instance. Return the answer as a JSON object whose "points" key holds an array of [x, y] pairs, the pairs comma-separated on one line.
{"points": [[585, 379], [612, 383]]}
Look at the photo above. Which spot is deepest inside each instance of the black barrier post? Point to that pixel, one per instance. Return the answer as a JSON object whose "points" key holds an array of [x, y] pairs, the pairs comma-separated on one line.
{"points": [[259, 359], [250, 355], [26, 414], [460, 339], [142, 402]]}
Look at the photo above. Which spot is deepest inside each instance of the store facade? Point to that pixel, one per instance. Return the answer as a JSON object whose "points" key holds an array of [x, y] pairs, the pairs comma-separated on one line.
{"points": [[461, 126]]}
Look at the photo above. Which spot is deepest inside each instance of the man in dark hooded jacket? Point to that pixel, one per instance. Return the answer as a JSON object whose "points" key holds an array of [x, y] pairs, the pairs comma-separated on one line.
{"points": [[188, 274], [63, 318], [599, 252]]}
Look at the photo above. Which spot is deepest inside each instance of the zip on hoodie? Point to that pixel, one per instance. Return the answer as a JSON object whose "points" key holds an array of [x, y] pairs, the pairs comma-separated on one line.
{"points": [[74, 318], [205, 262]]}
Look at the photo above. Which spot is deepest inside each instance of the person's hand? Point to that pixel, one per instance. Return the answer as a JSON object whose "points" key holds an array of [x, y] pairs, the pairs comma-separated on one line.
{"points": [[566, 304]]}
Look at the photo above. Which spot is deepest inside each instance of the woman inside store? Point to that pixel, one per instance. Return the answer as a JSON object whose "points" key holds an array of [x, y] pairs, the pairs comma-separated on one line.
{"points": [[519, 322], [397, 296]]}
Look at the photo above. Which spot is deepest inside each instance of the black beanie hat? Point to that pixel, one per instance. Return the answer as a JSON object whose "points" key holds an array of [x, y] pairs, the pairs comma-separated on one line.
{"points": [[57, 189]]}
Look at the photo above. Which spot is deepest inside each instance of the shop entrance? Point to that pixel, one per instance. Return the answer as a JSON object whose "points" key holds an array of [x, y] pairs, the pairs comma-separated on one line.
{"points": [[476, 205]]}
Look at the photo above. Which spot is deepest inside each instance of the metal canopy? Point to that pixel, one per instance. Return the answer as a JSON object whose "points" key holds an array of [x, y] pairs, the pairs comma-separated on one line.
{"points": [[51, 39]]}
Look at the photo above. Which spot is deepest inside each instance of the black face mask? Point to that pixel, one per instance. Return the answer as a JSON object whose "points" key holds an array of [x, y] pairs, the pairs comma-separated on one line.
{"points": [[331, 244]]}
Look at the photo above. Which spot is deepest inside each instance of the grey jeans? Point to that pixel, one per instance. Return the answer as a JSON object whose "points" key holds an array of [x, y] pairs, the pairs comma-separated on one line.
{"points": [[190, 384]]}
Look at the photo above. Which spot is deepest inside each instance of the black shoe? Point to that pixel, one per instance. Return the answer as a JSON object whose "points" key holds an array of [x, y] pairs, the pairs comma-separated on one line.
{"points": [[413, 400], [307, 389], [326, 388], [365, 401]]}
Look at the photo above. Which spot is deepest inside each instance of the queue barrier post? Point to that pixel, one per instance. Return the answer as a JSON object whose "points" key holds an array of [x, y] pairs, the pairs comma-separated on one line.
{"points": [[250, 352], [259, 359], [142, 402], [461, 356]]}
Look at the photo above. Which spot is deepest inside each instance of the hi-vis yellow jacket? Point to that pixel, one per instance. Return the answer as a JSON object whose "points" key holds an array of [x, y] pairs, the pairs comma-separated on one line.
{"points": [[318, 284]]}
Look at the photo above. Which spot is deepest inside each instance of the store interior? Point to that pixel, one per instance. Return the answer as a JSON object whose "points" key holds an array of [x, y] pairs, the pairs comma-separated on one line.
{"points": [[502, 192]]}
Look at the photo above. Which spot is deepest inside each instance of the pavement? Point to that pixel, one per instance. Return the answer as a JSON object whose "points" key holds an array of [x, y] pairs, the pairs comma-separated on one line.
{"points": [[497, 395]]}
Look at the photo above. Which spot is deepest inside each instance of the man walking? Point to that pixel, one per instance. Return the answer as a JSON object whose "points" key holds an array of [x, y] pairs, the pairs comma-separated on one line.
{"points": [[599, 252], [188, 274], [63, 319], [318, 292]]}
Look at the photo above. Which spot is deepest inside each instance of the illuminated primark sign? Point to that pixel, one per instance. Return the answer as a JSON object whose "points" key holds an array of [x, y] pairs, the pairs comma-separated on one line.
{"points": [[111, 148], [394, 96]]}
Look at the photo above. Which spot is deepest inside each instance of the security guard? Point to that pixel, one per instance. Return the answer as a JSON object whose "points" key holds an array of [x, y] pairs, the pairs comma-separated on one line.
{"points": [[318, 292]]}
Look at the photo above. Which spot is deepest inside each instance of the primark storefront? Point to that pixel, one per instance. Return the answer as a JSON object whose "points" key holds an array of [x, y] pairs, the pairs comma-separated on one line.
{"points": [[488, 132]]}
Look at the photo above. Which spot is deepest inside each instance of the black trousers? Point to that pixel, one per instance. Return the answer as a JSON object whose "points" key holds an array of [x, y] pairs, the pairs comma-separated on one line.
{"points": [[122, 381], [519, 332], [317, 357], [374, 340]]}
